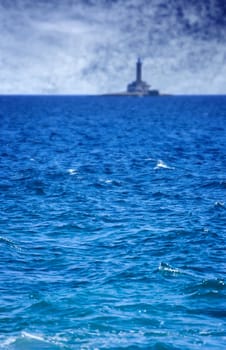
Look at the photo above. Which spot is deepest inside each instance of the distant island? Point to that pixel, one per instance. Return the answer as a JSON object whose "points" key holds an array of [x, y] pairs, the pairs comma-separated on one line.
{"points": [[137, 87]]}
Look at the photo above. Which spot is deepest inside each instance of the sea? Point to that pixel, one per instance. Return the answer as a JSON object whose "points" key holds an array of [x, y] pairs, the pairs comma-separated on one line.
{"points": [[113, 222]]}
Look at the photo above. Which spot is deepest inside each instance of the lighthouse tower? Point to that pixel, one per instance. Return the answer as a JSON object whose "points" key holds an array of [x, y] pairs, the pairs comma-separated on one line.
{"points": [[139, 71]]}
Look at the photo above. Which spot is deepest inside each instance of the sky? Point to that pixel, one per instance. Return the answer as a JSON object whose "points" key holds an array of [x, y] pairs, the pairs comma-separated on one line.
{"points": [[91, 46]]}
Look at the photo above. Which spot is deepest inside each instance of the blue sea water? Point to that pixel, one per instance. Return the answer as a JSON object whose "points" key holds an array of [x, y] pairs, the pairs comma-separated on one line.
{"points": [[112, 222]]}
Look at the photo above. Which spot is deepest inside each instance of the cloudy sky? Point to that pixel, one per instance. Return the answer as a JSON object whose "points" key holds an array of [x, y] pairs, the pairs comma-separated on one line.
{"points": [[90, 46]]}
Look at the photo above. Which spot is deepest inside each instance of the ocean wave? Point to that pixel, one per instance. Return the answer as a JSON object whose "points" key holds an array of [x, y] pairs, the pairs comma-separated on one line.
{"points": [[219, 204], [162, 165], [167, 270], [72, 171], [32, 341], [207, 288], [10, 243], [221, 184]]}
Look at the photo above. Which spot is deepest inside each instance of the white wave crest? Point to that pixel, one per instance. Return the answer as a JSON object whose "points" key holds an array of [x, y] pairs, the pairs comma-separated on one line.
{"points": [[162, 165], [72, 171]]}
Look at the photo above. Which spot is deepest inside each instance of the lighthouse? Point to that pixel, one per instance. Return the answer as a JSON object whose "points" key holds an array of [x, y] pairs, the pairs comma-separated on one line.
{"points": [[139, 71], [139, 87]]}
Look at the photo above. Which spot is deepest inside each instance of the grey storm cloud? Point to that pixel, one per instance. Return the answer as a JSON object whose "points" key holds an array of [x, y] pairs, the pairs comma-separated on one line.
{"points": [[88, 47]]}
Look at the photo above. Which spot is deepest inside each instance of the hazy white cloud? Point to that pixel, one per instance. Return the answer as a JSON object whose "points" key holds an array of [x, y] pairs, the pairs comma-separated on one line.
{"points": [[91, 46]]}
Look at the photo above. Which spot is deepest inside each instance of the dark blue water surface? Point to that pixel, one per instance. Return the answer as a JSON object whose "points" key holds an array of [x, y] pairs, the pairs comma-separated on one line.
{"points": [[112, 223]]}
